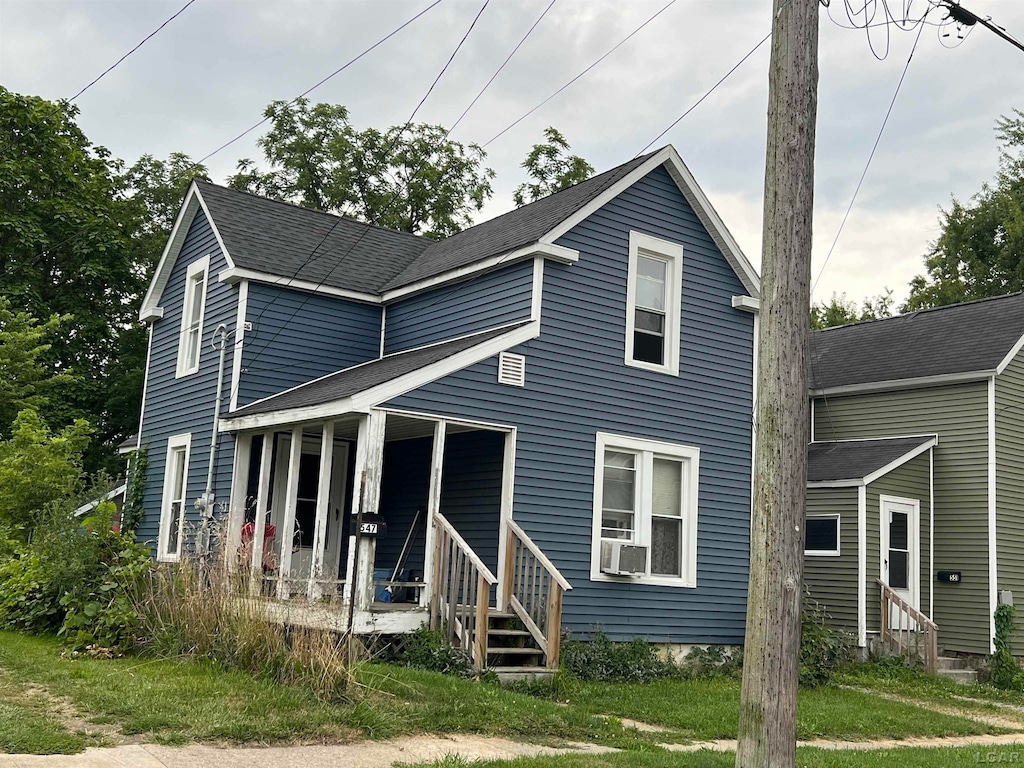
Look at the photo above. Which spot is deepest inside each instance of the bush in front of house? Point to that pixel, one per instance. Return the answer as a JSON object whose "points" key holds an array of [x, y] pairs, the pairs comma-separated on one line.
{"points": [[1003, 670], [824, 650], [601, 660], [429, 649]]}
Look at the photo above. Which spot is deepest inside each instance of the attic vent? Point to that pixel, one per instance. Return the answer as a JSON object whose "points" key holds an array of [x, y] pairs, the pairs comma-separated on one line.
{"points": [[511, 369]]}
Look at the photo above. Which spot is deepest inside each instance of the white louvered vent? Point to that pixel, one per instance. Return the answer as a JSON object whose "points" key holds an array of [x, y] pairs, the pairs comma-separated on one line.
{"points": [[511, 369]]}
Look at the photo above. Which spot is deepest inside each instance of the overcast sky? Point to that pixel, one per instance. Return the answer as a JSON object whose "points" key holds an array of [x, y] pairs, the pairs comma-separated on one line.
{"points": [[209, 74]]}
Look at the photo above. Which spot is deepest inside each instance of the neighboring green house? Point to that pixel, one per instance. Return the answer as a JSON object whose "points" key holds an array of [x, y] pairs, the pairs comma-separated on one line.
{"points": [[951, 382]]}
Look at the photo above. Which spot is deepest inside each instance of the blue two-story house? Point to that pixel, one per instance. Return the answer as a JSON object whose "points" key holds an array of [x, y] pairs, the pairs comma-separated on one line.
{"points": [[542, 422]]}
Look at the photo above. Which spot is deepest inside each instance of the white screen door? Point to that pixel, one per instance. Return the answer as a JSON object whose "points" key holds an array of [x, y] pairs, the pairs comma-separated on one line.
{"points": [[901, 557]]}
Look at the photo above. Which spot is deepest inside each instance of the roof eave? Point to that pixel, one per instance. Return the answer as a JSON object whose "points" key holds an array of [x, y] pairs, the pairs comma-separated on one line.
{"points": [[897, 384]]}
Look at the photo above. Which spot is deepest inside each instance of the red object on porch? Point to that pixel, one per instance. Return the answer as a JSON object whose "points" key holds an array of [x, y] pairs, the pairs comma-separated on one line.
{"points": [[248, 534], [249, 530]]}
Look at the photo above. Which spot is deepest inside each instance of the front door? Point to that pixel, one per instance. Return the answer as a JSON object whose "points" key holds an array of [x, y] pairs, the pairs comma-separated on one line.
{"points": [[900, 543]]}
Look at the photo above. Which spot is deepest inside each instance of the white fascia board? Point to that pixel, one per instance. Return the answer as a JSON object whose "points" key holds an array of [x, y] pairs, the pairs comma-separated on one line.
{"points": [[897, 463], [862, 566], [747, 304], [1010, 355], [151, 314], [362, 402], [875, 439], [854, 482], [237, 274], [695, 197], [993, 551], [557, 253], [895, 384]]}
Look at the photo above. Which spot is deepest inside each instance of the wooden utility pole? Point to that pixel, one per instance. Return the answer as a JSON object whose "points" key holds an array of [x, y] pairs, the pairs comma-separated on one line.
{"points": [[767, 734]]}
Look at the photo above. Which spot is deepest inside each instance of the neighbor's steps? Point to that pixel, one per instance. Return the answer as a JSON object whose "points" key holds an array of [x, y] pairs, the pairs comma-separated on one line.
{"points": [[512, 651], [956, 669]]}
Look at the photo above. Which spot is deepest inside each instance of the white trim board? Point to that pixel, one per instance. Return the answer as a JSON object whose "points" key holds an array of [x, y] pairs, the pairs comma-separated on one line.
{"points": [[895, 384], [862, 566], [233, 275], [993, 549], [236, 359], [362, 402], [1010, 355]]}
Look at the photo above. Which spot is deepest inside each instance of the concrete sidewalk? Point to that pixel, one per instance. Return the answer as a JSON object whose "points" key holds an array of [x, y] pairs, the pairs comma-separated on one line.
{"points": [[363, 754]]}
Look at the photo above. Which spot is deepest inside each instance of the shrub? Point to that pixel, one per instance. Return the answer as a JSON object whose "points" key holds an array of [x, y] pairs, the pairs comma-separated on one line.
{"points": [[428, 649], [599, 659], [29, 600], [132, 512], [1004, 671], [714, 661], [823, 649]]}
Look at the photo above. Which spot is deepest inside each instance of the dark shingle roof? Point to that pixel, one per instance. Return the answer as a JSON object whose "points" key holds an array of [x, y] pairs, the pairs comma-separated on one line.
{"points": [[352, 381], [512, 230], [855, 459], [129, 444], [960, 338], [278, 238]]}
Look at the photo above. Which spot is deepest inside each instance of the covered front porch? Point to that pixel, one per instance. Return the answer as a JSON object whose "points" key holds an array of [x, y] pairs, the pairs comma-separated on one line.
{"points": [[379, 522]]}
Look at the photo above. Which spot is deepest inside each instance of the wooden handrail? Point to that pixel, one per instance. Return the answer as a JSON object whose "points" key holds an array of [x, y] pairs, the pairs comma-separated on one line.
{"points": [[473, 558], [912, 623], [548, 565]]}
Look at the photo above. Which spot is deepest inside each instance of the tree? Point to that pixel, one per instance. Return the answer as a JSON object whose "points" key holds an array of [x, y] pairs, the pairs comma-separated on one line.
{"points": [[409, 177], [840, 311], [552, 168], [980, 252], [66, 249]]}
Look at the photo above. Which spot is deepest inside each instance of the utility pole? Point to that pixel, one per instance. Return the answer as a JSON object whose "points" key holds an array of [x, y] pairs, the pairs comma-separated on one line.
{"points": [[767, 732]]}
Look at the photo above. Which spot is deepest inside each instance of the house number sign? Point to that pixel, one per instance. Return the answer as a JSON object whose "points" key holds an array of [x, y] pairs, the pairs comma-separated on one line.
{"points": [[950, 577], [368, 529]]}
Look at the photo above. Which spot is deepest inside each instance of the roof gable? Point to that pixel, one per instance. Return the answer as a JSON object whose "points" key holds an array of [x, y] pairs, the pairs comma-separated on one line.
{"points": [[850, 462]]}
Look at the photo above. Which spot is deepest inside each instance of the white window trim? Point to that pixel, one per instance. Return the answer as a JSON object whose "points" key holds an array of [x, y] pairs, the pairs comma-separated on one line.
{"points": [[691, 456], [827, 552], [173, 442], [672, 253], [195, 268]]}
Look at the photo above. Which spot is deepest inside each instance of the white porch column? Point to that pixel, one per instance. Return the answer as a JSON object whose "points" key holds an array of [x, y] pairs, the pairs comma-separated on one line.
{"points": [[323, 507], [236, 502], [366, 494], [260, 521], [291, 498], [433, 507]]}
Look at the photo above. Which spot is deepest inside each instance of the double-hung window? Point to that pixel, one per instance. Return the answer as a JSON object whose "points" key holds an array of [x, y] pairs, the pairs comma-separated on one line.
{"points": [[653, 298], [822, 535], [172, 511], [645, 495], [190, 343]]}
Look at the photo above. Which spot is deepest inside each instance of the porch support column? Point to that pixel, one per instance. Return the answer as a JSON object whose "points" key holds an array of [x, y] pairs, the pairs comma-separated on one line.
{"points": [[433, 507], [287, 533], [366, 492], [236, 502], [323, 508], [260, 522]]}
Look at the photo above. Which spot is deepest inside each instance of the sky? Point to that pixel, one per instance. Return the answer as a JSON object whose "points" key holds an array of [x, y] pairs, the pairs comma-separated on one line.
{"points": [[209, 74]]}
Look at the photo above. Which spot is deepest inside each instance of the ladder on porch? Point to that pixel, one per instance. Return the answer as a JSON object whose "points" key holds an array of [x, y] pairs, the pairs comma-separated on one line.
{"points": [[520, 638], [906, 631]]}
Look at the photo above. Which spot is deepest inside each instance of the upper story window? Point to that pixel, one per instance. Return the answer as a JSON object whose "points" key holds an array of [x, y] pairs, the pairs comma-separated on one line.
{"points": [[190, 344], [172, 510], [653, 299], [645, 511]]}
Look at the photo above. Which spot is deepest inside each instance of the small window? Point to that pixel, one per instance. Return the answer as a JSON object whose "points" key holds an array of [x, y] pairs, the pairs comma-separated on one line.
{"points": [[190, 344], [172, 513], [654, 294], [645, 495], [822, 536]]}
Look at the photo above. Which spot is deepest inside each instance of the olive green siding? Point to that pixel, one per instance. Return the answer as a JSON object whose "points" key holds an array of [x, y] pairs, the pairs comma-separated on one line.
{"points": [[959, 415], [1010, 483], [832, 581], [907, 482]]}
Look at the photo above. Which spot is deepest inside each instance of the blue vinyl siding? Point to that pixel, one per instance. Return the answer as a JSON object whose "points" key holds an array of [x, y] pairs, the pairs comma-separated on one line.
{"points": [[577, 384], [404, 487], [481, 302], [298, 336], [175, 406]]}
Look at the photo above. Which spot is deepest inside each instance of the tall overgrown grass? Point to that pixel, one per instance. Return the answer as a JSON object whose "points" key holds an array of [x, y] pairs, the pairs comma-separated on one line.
{"points": [[204, 610]]}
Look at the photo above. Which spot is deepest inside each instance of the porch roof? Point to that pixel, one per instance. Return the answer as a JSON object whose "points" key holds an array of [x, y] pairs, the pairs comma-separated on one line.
{"points": [[428, 363], [862, 461]]}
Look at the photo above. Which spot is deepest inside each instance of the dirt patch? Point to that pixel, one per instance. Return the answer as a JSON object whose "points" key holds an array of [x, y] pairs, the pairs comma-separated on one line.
{"points": [[64, 711]]}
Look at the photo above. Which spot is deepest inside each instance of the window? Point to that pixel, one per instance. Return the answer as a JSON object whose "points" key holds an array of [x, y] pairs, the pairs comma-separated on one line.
{"points": [[822, 535], [645, 495], [172, 512], [654, 294], [190, 344]]}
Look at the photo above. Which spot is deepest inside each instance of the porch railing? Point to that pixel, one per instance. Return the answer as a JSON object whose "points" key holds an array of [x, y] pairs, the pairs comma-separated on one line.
{"points": [[461, 595], [534, 589], [906, 630]]}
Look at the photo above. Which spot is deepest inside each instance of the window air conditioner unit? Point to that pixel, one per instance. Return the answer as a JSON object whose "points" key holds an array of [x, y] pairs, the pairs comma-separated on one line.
{"points": [[623, 559]]}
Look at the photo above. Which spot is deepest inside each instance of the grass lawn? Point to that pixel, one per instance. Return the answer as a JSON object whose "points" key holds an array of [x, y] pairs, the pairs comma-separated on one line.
{"points": [[904, 757], [708, 709], [28, 725]]}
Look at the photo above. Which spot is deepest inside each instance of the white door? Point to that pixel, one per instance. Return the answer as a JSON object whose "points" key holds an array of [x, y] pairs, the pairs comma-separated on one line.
{"points": [[901, 554]]}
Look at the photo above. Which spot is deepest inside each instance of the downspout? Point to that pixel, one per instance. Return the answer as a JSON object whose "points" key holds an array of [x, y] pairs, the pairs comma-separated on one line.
{"points": [[205, 502]]}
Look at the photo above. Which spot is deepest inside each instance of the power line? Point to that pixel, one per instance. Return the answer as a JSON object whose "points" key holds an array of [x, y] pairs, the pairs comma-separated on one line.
{"points": [[316, 85], [581, 74]]}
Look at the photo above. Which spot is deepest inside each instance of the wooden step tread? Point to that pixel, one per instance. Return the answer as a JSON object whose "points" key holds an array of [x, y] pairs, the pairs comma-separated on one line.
{"points": [[515, 651], [510, 632]]}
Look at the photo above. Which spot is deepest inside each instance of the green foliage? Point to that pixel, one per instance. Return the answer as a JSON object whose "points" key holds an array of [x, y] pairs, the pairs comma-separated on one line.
{"points": [[1004, 671], [714, 661], [132, 511], [551, 167], [599, 659], [841, 311], [980, 252], [157, 188], [823, 649], [428, 649], [29, 599], [38, 468], [409, 177]]}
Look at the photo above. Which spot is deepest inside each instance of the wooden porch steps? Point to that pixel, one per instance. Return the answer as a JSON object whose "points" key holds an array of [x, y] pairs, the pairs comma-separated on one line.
{"points": [[512, 651]]}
